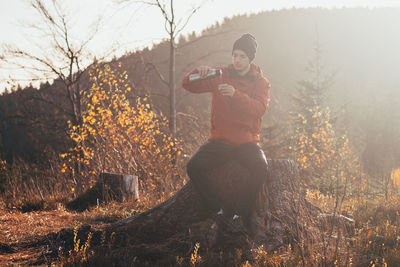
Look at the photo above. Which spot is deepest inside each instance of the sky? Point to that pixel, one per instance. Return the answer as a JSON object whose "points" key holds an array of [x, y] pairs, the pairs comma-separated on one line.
{"points": [[131, 26]]}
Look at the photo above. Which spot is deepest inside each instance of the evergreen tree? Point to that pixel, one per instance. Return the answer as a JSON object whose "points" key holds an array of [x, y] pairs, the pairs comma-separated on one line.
{"points": [[325, 158]]}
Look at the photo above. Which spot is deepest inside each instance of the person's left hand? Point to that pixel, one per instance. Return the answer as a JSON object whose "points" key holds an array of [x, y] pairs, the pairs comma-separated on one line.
{"points": [[226, 89]]}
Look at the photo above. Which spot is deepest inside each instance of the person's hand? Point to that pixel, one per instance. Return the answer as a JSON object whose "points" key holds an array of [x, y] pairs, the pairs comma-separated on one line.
{"points": [[226, 89], [203, 71]]}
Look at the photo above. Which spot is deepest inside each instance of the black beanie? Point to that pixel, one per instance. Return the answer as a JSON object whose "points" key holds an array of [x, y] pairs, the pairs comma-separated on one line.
{"points": [[248, 44]]}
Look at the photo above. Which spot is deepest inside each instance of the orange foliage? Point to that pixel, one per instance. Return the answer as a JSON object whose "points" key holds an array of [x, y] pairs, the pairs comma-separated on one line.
{"points": [[395, 176], [321, 154], [3, 165], [315, 142], [121, 137]]}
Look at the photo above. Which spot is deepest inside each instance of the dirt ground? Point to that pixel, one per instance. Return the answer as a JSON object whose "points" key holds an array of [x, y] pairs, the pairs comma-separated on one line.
{"points": [[18, 230]]}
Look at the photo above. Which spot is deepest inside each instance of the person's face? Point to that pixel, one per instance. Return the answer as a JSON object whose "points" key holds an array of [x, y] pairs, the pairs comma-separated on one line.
{"points": [[240, 60]]}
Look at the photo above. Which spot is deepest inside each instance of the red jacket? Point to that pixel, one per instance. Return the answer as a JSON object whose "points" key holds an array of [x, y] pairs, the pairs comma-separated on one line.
{"points": [[235, 120]]}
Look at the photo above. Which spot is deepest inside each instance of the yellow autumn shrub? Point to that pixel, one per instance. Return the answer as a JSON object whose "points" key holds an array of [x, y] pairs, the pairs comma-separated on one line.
{"points": [[121, 136], [3, 165], [395, 176], [323, 156]]}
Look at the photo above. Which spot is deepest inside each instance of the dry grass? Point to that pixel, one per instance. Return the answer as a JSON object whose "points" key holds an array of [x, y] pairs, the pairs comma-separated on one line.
{"points": [[19, 229], [375, 240], [16, 226]]}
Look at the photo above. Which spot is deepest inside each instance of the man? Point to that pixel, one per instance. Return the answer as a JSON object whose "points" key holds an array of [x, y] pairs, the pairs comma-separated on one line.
{"points": [[240, 98]]}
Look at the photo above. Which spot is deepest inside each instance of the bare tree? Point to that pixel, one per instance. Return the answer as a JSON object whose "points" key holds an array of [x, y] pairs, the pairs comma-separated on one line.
{"points": [[173, 26], [64, 57]]}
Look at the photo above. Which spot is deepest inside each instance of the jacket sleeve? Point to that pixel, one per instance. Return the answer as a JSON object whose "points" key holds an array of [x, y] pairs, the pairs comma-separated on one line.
{"points": [[197, 87], [256, 105]]}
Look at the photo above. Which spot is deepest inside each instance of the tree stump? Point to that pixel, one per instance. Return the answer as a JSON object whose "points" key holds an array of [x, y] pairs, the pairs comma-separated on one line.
{"points": [[119, 187], [171, 229]]}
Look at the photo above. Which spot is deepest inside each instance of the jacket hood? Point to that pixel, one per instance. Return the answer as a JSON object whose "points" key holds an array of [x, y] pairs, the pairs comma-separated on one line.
{"points": [[255, 72]]}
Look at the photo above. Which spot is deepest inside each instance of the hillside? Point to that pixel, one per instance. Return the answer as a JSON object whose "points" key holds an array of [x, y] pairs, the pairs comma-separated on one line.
{"points": [[359, 46]]}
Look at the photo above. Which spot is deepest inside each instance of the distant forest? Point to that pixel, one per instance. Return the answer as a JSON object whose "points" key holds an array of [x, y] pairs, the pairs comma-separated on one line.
{"points": [[357, 50]]}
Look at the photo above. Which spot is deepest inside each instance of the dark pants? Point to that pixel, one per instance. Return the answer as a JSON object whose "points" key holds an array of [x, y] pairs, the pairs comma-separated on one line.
{"points": [[213, 154]]}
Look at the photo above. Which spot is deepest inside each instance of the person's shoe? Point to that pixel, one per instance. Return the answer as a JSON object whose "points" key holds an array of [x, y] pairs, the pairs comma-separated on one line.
{"points": [[233, 225], [220, 218], [236, 225]]}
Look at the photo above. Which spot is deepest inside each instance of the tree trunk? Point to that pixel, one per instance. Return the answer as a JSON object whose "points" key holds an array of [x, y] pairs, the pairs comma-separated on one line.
{"points": [[172, 119], [172, 228], [110, 186]]}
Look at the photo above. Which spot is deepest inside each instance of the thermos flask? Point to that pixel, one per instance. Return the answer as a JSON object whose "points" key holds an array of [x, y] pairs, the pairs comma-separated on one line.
{"points": [[211, 74]]}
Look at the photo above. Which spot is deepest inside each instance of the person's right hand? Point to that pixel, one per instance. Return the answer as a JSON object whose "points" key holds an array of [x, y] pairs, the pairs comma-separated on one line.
{"points": [[203, 71]]}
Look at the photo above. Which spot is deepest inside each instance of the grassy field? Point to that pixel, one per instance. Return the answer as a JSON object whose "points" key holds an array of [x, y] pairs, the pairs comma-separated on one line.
{"points": [[20, 231], [375, 241]]}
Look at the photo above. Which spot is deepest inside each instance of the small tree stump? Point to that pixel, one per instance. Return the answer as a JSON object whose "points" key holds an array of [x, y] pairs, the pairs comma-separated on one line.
{"points": [[118, 187]]}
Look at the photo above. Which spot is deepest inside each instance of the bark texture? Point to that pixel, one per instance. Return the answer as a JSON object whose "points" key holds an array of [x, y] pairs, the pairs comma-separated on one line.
{"points": [[171, 229]]}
